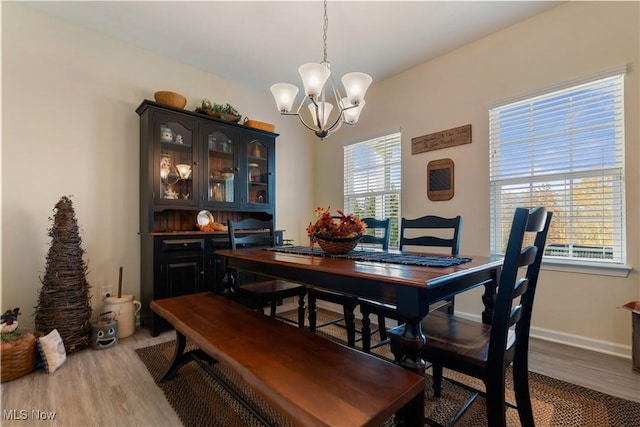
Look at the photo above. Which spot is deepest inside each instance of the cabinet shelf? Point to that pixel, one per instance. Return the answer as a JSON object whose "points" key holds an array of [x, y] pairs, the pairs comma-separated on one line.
{"points": [[175, 145], [222, 153]]}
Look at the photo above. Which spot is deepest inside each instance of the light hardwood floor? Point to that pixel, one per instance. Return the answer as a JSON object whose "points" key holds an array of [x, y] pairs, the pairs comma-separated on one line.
{"points": [[112, 387]]}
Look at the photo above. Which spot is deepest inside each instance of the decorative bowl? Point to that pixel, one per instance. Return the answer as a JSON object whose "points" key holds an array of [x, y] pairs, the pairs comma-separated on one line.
{"points": [[338, 245], [260, 125], [170, 98]]}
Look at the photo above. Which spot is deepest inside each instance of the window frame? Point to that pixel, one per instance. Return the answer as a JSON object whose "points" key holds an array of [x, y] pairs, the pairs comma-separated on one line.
{"points": [[569, 175], [384, 187]]}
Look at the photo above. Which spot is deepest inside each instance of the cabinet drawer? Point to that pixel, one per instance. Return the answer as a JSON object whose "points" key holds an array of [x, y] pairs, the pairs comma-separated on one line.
{"points": [[182, 245], [220, 242]]}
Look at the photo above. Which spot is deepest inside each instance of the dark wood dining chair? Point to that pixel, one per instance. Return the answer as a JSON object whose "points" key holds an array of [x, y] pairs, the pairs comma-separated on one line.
{"points": [[426, 226], [254, 232], [485, 349], [378, 234]]}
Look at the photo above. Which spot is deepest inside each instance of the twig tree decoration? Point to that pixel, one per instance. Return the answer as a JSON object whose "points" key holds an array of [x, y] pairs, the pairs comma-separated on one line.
{"points": [[64, 302]]}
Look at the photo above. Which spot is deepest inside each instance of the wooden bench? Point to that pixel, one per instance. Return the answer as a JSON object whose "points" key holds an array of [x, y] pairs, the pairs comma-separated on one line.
{"points": [[309, 379]]}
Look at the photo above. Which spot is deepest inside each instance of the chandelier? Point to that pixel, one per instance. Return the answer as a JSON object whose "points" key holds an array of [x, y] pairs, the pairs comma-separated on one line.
{"points": [[314, 79]]}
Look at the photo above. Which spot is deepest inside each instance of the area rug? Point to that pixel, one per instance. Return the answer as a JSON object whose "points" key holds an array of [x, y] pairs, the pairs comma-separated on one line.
{"points": [[201, 400]]}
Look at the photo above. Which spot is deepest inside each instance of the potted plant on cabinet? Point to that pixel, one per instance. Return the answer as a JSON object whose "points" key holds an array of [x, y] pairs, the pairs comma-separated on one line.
{"points": [[225, 112]]}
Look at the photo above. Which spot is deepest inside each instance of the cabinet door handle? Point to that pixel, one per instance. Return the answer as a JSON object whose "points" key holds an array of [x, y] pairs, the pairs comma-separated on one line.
{"points": [[184, 245], [195, 163]]}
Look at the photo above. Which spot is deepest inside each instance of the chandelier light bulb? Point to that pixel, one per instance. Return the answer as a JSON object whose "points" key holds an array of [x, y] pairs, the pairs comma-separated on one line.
{"points": [[284, 94], [356, 85], [351, 112], [320, 113], [314, 76]]}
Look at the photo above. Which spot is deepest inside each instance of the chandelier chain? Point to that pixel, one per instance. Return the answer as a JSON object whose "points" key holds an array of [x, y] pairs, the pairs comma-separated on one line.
{"points": [[324, 31]]}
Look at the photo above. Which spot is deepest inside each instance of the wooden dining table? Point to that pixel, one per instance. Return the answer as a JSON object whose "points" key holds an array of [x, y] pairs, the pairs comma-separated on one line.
{"points": [[411, 288]]}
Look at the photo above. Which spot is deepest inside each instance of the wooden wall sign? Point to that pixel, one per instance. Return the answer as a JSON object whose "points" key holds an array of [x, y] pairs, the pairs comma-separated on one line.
{"points": [[440, 180], [445, 139]]}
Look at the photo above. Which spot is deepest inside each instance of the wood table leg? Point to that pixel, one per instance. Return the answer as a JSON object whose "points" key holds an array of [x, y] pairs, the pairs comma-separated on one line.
{"points": [[412, 414], [313, 319], [366, 332], [412, 341], [303, 292]]}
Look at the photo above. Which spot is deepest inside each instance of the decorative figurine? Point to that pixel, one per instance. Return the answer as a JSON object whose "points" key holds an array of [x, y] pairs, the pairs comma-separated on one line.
{"points": [[105, 331], [166, 134], [9, 321]]}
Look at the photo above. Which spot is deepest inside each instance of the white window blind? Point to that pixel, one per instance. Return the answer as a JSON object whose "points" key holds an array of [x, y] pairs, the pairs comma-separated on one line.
{"points": [[372, 180], [563, 150]]}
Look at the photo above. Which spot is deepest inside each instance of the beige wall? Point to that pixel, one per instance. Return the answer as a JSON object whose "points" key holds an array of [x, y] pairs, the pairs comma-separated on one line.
{"points": [[567, 42], [69, 127]]}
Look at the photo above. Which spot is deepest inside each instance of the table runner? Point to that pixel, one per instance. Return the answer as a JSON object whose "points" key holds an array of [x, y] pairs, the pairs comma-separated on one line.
{"points": [[377, 256]]}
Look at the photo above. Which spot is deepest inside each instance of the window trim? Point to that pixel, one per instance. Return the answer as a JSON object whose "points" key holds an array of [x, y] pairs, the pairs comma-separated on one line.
{"points": [[610, 72], [371, 141], [592, 266]]}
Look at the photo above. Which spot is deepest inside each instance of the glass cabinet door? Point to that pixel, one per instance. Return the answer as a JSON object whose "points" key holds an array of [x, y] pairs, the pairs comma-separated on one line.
{"points": [[222, 152], [258, 176], [176, 178]]}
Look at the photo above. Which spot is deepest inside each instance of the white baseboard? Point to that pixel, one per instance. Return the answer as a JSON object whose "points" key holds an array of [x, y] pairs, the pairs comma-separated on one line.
{"points": [[572, 340]]}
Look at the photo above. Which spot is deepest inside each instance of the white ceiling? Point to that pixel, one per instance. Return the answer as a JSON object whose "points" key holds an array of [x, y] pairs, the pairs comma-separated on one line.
{"points": [[258, 43]]}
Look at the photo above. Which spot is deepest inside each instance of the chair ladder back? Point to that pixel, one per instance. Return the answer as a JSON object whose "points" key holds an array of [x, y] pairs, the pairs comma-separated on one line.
{"points": [[515, 316], [511, 287], [521, 287], [251, 239], [432, 222], [528, 256], [378, 224], [522, 328]]}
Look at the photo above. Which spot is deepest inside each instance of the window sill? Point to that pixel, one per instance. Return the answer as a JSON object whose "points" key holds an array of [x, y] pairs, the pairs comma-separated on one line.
{"points": [[601, 269]]}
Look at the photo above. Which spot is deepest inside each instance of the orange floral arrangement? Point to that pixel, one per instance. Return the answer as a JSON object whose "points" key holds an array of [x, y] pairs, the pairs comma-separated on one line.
{"points": [[327, 227]]}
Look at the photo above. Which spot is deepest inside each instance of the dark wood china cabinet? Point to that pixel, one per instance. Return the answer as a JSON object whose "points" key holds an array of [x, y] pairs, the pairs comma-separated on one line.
{"points": [[191, 162]]}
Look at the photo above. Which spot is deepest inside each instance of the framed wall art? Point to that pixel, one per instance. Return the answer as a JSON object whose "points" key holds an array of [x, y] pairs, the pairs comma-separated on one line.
{"points": [[439, 140], [440, 180]]}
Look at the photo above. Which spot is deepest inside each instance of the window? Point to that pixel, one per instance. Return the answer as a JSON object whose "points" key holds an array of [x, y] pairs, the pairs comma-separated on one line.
{"points": [[563, 150], [372, 180]]}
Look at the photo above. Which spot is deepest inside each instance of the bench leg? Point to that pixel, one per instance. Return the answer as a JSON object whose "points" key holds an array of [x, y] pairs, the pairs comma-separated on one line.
{"points": [[179, 358]]}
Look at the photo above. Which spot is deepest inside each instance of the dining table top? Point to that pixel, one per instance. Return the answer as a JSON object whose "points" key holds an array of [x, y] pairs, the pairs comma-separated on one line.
{"points": [[412, 289], [418, 276]]}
